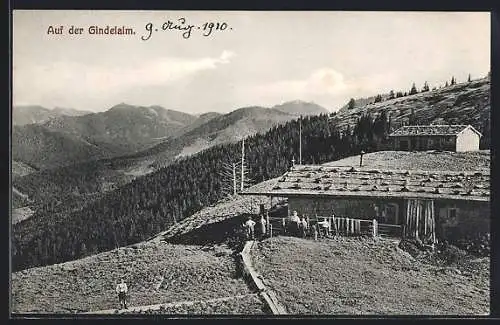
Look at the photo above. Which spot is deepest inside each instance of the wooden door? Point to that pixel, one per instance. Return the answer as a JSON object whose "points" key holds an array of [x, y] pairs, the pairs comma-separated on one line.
{"points": [[392, 213], [420, 221]]}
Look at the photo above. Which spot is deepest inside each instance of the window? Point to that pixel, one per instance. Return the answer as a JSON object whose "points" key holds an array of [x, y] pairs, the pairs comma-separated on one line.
{"points": [[452, 213], [403, 144]]}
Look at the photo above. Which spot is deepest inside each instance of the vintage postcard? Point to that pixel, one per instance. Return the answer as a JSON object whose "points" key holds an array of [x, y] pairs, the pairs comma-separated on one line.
{"points": [[180, 163]]}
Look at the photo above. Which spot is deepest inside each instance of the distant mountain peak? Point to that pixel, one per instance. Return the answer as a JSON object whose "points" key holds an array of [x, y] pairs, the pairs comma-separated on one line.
{"points": [[121, 106], [296, 102], [301, 107]]}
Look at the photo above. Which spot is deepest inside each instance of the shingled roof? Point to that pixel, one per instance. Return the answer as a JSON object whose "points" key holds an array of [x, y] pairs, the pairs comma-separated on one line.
{"points": [[345, 181], [419, 130]]}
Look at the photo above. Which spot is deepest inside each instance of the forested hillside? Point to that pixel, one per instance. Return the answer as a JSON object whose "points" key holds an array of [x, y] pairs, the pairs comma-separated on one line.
{"points": [[88, 221], [59, 184], [154, 202]]}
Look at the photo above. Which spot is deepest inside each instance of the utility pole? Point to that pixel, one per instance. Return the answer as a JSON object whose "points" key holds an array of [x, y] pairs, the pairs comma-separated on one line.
{"points": [[242, 163], [300, 140], [234, 179]]}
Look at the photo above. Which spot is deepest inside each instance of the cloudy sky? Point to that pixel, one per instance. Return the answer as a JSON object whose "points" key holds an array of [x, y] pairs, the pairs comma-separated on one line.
{"points": [[262, 58]]}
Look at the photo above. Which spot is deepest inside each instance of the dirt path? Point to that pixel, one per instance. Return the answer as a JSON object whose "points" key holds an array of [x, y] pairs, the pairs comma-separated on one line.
{"points": [[16, 191], [139, 309], [255, 280]]}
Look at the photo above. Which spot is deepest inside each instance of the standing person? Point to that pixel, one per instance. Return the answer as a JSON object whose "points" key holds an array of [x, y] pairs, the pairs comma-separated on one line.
{"points": [[304, 226], [263, 225], [315, 232], [250, 224], [295, 221], [121, 290], [325, 226]]}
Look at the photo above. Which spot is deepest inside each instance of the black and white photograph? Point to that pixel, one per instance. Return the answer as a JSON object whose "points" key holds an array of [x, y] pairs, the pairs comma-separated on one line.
{"points": [[184, 163]]}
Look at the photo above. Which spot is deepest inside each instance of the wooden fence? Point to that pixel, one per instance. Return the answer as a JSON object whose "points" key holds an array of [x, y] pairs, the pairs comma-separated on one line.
{"points": [[342, 226], [390, 231]]}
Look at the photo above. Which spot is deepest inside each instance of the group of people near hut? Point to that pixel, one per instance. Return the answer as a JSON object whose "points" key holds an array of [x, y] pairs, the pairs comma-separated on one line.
{"points": [[249, 226], [293, 225], [301, 227]]}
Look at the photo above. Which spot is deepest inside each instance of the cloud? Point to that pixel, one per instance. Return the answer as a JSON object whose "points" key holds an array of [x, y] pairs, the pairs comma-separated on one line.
{"points": [[325, 86], [33, 82], [320, 82]]}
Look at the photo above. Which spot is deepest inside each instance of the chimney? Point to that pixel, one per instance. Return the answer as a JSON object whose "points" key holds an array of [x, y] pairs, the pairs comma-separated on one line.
{"points": [[361, 158]]}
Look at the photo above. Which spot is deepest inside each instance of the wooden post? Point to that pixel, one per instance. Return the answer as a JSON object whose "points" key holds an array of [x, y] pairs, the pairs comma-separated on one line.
{"points": [[234, 179], [270, 230], [268, 223], [242, 163], [347, 226], [432, 223], [284, 225], [375, 227], [300, 140], [425, 214], [417, 215]]}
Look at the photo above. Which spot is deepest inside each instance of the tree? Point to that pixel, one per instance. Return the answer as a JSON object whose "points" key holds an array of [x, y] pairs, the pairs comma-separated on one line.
{"points": [[412, 118], [469, 79], [399, 94], [453, 81], [391, 94], [351, 103], [425, 87], [405, 94], [378, 98], [446, 84], [413, 89]]}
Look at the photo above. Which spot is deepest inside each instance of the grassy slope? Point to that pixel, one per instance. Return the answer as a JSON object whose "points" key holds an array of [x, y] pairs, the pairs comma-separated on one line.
{"points": [[190, 273], [422, 160], [364, 276]]}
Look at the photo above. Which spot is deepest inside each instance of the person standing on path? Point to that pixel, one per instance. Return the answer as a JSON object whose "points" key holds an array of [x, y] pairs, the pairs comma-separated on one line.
{"points": [[263, 225], [121, 290], [250, 224]]}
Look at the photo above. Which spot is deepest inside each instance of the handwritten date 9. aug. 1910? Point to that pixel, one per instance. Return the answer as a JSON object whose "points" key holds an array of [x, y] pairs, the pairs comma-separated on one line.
{"points": [[206, 29]]}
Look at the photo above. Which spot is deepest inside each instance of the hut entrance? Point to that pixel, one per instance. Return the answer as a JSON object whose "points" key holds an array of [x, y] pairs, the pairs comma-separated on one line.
{"points": [[420, 221]]}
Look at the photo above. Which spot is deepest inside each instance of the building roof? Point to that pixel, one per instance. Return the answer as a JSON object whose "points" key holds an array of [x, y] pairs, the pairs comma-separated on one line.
{"points": [[346, 181], [422, 130]]}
